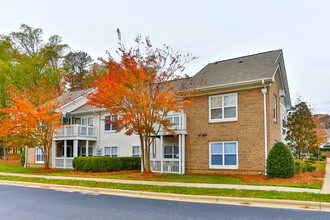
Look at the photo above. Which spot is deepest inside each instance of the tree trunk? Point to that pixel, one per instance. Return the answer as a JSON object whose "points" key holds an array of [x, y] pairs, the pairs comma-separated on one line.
{"points": [[142, 154], [147, 156], [5, 153], [46, 157]]}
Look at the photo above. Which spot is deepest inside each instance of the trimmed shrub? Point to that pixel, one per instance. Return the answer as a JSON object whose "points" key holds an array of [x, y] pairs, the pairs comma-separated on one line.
{"points": [[22, 158], [106, 164], [298, 166], [280, 162], [312, 159], [323, 157], [309, 167], [325, 149]]}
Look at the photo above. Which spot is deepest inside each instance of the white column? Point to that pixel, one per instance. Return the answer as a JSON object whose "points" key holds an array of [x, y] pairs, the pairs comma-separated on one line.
{"points": [[65, 149], [180, 154], [53, 153], [87, 146], [183, 154], [75, 148], [161, 153]]}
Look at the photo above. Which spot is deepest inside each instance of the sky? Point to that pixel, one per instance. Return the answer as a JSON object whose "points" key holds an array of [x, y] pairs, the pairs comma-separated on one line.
{"points": [[209, 30]]}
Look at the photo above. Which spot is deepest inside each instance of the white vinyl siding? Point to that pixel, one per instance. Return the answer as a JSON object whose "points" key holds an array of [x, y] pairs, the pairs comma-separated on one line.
{"points": [[223, 107], [223, 155]]}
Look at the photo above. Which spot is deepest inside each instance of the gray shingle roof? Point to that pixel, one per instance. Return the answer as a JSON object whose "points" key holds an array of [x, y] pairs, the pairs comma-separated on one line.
{"points": [[70, 96], [240, 69]]}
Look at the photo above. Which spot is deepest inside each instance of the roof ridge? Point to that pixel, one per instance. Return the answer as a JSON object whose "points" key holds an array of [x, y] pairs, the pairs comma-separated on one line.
{"points": [[250, 55]]}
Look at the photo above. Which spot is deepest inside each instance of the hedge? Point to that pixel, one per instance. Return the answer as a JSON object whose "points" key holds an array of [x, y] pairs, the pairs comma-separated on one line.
{"points": [[106, 163], [280, 162], [325, 149]]}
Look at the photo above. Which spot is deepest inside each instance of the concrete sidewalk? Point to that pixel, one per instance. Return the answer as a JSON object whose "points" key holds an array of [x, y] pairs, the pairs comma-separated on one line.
{"points": [[197, 185], [326, 184]]}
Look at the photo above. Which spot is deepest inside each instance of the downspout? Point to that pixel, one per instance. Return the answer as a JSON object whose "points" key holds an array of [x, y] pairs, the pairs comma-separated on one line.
{"points": [[264, 92]]}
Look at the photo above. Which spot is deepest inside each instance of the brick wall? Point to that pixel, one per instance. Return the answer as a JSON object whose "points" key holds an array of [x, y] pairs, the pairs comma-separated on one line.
{"points": [[248, 131]]}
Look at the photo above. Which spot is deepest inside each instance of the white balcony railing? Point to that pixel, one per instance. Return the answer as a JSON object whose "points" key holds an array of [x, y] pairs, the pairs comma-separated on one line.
{"points": [[169, 166], [179, 123], [62, 162], [76, 131]]}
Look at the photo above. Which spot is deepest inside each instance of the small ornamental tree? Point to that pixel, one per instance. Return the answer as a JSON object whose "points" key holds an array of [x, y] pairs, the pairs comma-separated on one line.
{"points": [[301, 135], [31, 119], [280, 162], [142, 88]]}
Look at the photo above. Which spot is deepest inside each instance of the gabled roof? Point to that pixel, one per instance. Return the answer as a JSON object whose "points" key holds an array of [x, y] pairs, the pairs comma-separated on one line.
{"points": [[241, 69], [69, 97]]}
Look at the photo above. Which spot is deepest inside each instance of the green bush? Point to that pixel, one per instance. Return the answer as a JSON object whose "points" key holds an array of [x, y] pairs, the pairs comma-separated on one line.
{"points": [[312, 159], [323, 157], [298, 166], [106, 164], [325, 149], [309, 167], [22, 158], [280, 162]]}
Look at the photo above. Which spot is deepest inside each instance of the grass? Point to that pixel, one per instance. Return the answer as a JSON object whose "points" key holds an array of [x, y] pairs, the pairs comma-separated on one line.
{"points": [[320, 165], [209, 179], [183, 190]]}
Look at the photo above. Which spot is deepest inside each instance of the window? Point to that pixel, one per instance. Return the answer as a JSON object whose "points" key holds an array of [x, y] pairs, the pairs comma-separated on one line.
{"points": [[171, 151], [274, 107], [39, 155], [136, 151], [223, 155], [108, 126], [111, 151], [84, 121], [223, 107]]}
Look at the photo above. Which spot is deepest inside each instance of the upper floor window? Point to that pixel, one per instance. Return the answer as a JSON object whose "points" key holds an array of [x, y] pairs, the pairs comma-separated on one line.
{"points": [[274, 107], [108, 124], [223, 107], [84, 121]]}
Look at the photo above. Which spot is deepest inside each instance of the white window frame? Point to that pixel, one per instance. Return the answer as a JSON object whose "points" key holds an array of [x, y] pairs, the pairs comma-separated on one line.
{"points": [[274, 107], [222, 107], [111, 125], [211, 166], [136, 146], [39, 149], [111, 155]]}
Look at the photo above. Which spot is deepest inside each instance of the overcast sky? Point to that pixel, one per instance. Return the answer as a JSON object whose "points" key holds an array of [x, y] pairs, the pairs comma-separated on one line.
{"points": [[210, 30]]}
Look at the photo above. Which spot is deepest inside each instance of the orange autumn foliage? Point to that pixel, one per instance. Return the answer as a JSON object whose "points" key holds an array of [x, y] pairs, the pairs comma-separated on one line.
{"points": [[321, 133], [31, 119], [143, 88]]}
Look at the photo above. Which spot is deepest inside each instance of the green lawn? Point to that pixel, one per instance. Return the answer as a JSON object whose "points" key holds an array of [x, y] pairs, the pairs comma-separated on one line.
{"points": [[183, 190], [15, 168]]}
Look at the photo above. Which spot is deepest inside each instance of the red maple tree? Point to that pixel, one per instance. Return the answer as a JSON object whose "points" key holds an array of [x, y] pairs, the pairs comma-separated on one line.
{"points": [[142, 88]]}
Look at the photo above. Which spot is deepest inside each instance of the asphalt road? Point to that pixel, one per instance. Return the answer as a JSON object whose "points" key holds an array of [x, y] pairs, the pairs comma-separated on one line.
{"points": [[30, 203]]}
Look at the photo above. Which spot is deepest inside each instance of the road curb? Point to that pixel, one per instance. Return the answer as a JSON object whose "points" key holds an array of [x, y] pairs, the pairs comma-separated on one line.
{"points": [[269, 203]]}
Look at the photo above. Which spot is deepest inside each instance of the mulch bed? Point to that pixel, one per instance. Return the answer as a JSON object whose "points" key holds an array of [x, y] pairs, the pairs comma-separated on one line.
{"points": [[315, 177]]}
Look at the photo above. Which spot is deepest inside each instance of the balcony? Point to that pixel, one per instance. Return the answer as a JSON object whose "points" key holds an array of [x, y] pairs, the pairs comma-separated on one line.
{"points": [[83, 132], [179, 124]]}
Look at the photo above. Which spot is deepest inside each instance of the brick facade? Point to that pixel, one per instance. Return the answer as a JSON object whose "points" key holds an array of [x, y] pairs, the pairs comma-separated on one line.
{"points": [[248, 131]]}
